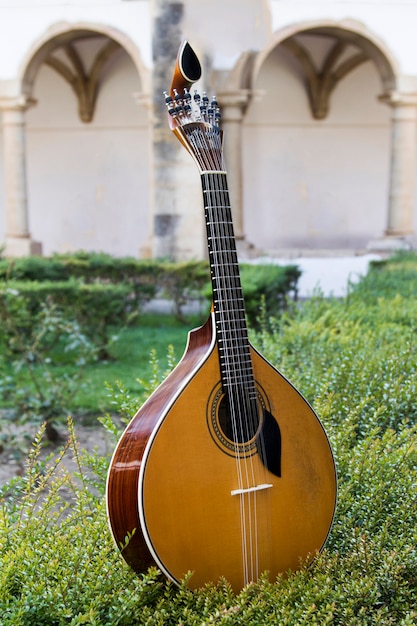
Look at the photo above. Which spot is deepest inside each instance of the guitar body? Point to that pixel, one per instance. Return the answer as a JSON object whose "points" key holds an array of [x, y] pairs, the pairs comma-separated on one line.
{"points": [[225, 471], [183, 470]]}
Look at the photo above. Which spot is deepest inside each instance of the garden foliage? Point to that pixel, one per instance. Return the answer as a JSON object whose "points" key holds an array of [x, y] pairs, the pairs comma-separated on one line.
{"points": [[355, 360]]}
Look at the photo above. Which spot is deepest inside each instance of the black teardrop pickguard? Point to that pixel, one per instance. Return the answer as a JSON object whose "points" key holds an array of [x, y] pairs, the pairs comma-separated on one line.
{"points": [[268, 442]]}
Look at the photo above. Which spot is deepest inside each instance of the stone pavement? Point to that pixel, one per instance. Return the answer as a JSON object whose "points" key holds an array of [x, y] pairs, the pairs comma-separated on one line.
{"points": [[330, 275]]}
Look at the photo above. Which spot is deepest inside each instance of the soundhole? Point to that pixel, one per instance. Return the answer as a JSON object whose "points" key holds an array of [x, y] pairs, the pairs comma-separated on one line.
{"points": [[234, 437], [245, 425]]}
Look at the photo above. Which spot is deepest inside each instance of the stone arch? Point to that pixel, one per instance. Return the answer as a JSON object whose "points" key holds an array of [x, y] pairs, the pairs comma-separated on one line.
{"points": [[97, 175], [338, 62], [317, 193], [56, 48], [64, 34]]}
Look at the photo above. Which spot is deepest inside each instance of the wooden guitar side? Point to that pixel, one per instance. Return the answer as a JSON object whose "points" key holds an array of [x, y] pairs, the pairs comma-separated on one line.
{"points": [[123, 476], [174, 476]]}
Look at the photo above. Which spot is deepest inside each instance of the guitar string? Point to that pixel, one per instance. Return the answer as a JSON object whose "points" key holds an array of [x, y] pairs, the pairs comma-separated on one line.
{"points": [[236, 363], [247, 401], [245, 404], [232, 338], [216, 254], [229, 332], [218, 262], [209, 205], [212, 159]]}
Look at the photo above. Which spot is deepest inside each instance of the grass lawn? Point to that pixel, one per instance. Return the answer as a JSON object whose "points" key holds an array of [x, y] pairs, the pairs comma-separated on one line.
{"points": [[131, 360]]}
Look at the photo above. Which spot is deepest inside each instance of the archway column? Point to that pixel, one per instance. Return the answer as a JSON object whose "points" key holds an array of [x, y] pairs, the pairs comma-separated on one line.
{"points": [[233, 106], [144, 99], [18, 240], [402, 175]]}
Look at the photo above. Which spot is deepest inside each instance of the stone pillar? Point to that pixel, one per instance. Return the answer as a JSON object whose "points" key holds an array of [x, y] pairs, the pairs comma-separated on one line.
{"points": [[144, 100], [166, 38], [403, 164], [18, 240], [232, 106]]}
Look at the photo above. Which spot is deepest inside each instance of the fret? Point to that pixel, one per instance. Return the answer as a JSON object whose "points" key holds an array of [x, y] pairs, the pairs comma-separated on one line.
{"points": [[219, 222], [229, 317], [226, 307], [229, 288], [232, 304], [220, 238], [236, 369], [242, 310], [218, 208], [222, 339], [229, 277], [229, 264], [245, 385], [236, 356], [239, 378], [237, 361], [238, 353], [215, 214]]}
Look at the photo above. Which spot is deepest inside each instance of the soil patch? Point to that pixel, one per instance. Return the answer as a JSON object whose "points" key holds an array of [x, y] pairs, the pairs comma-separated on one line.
{"points": [[92, 438]]}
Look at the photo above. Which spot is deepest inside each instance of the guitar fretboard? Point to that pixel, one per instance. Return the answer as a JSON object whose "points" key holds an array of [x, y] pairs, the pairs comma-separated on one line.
{"points": [[229, 309]]}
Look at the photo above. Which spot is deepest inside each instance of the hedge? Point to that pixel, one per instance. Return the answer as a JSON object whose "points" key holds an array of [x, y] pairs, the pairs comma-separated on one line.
{"points": [[266, 287]]}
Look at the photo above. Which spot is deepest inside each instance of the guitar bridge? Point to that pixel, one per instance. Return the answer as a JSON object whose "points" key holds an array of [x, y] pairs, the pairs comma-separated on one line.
{"points": [[238, 492]]}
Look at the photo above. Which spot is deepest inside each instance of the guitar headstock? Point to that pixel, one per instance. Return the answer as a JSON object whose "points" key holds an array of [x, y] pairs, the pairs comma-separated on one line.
{"points": [[194, 119]]}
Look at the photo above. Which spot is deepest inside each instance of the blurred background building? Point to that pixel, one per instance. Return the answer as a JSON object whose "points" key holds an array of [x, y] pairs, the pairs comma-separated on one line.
{"points": [[319, 109]]}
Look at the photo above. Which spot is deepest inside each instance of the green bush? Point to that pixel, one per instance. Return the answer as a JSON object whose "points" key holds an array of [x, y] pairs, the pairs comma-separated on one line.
{"points": [[388, 278], [35, 386], [266, 287], [267, 290], [355, 360], [89, 266], [146, 279], [97, 307], [58, 564]]}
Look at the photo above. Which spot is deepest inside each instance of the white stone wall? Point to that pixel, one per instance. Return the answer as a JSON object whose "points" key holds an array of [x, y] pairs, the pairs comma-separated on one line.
{"points": [[315, 184], [306, 183], [89, 183]]}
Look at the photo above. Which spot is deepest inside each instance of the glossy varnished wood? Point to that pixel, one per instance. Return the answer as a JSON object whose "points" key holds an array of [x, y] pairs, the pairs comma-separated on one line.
{"points": [[122, 482], [171, 483], [190, 517]]}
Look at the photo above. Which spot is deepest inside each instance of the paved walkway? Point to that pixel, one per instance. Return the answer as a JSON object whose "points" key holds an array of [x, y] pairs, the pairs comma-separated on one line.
{"points": [[330, 275]]}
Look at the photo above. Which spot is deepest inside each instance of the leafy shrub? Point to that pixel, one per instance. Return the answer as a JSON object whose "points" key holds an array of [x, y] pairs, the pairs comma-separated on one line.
{"points": [[96, 307], [182, 282], [58, 564], [139, 281], [89, 267], [389, 277], [356, 363], [267, 288], [34, 347]]}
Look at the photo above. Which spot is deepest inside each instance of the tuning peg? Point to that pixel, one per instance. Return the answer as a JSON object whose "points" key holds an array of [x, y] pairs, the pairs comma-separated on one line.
{"points": [[177, 96], [170, 104], [168, 98]]}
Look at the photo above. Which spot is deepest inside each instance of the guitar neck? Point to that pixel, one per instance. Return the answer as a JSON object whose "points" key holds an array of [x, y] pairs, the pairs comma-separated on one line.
{"points": [[229, 308]]}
